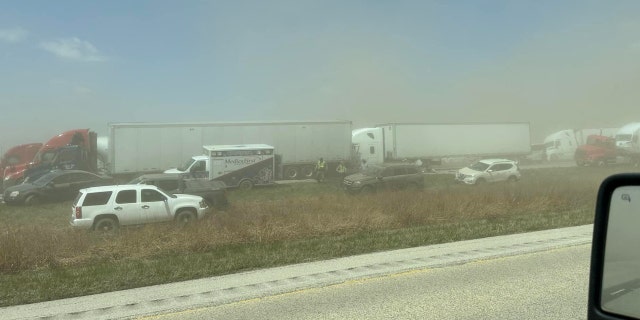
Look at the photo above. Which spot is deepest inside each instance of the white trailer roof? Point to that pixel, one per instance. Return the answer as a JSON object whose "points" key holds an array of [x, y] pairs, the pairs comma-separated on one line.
{"points": [[222, 124], [227, 147]]}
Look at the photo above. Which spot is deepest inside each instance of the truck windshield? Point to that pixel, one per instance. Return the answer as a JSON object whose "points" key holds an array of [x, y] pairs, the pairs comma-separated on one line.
{"points": [[186, 165], [623, 137]]}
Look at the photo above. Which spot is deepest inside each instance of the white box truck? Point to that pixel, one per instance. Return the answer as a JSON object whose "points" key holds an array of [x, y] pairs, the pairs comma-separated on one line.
{"points": [[432, 142], [154, 147], [242, 166], [562, 145]]}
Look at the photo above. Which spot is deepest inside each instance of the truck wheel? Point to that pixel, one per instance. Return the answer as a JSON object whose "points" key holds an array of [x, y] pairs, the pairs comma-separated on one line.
{"points": [[512, 179], [245, 185], [307, 172], [106, 224], [480, 181], [291, 173], [32, 200], [185, 216]]}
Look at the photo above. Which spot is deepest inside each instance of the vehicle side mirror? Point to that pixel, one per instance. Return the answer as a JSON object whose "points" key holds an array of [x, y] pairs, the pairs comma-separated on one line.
{"points": [[614, 281], [490, 170]]}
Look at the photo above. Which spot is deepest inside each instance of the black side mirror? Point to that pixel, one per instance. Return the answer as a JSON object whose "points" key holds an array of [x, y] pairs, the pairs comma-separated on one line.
{"points": [[614, 280]]}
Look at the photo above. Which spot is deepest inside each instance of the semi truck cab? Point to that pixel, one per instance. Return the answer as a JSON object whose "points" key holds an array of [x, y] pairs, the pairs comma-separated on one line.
{"points": [[16, 156]]}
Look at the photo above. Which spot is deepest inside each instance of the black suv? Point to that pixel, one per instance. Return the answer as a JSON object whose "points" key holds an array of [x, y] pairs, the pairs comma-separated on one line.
{"points": [[213, 192], [387, 176]]}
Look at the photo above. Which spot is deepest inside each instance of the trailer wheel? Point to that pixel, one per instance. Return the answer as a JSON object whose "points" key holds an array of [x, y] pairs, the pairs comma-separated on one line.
{"points": [[291, 173], [307, 172], [245, 184]]}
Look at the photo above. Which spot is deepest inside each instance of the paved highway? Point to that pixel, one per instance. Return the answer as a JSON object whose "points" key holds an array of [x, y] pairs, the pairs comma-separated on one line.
{"points": [[538, 275], [544, 285]]}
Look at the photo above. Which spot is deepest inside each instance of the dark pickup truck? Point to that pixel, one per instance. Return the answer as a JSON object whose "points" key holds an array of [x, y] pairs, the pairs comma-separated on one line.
{"points": [[213, 192]]}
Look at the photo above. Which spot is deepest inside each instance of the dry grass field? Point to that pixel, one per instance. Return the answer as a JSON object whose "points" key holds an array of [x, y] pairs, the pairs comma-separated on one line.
{"points": [[43, 258]]}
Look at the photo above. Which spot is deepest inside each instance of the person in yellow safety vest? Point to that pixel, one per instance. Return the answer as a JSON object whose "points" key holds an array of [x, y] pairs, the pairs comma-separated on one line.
{"points": [[321, 167], [341, 169]]}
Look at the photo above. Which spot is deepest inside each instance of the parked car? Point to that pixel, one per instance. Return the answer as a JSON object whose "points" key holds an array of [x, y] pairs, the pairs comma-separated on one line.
{"points": [[55, 186], [109, 207], [385, 176], [489, 170], [214, 192]]}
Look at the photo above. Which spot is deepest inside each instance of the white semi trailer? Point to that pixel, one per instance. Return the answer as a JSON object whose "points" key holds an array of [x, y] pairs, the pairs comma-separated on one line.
{"points": [[432, 142], [135, 148]]}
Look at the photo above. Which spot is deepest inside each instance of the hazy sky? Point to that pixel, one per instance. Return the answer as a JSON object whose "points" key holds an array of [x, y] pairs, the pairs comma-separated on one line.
{"points": [[82, 64]]}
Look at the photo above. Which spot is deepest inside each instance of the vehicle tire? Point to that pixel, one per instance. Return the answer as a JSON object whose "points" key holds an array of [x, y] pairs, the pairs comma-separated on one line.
{"points": [[106, 224], [512, 179], [480, 181], [307, 172], [245, 185], [32, 200], [291, 173], [185, 217]]}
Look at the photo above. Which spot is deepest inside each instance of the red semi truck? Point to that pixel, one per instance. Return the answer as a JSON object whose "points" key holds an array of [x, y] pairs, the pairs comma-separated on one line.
{"points": [[17, 156], [70, 149], [599, 150]]}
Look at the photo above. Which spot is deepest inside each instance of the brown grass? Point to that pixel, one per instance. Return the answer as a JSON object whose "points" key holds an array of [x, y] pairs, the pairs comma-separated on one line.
{"points": [[289, 216]]}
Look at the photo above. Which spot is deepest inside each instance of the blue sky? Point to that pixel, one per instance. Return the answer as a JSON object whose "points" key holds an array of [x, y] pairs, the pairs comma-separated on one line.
{"points": [[79, 64]]}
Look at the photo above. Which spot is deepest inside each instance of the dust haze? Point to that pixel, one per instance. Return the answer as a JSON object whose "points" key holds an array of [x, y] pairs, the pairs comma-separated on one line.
{"points": [[581, 74]]}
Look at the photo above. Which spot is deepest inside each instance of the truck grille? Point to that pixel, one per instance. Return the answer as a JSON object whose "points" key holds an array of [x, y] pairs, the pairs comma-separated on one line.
{"points": [[347, 182]]}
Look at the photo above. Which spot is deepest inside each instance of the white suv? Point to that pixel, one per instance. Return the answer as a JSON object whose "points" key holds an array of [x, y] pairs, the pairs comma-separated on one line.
{"points": [[489, 170], [108, 207]]}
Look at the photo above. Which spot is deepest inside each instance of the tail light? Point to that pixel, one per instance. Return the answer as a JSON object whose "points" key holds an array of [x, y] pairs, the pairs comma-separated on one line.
{"points": [[78, 212]]}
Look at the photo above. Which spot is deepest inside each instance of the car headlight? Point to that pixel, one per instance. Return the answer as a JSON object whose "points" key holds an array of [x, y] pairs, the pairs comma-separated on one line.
{"points": [[357, 182], [14, 194]]}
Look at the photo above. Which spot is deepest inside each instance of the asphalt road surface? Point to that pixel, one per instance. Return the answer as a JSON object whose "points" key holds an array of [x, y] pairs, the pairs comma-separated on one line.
{"points": [[544, 285]]}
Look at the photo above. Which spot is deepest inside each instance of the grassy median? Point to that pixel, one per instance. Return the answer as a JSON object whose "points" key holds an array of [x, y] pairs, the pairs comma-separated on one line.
{"points": [[42, 258]]}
